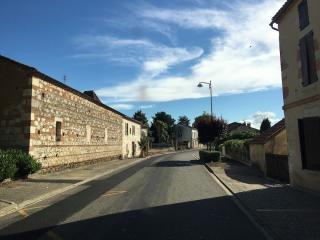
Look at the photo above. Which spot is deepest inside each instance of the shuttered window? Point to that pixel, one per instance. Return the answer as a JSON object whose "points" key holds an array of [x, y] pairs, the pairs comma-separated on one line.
{"points": [[309, 131], [308, 61], [127, 129], [58, 131], [303, 14]]}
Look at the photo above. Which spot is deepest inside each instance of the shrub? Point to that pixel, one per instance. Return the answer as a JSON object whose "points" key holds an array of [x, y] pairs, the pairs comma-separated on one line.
{"points": [[16, 163], [25, 163], [7, 165], [208, 156], [238, 149]]}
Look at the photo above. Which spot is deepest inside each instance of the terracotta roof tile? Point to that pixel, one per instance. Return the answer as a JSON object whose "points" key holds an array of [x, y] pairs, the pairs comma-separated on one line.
{"points": [[266, 135]]}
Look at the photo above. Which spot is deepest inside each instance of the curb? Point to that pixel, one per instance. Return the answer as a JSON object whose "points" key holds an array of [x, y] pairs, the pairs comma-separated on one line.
{"points": [[256, 220], [14, 207]]}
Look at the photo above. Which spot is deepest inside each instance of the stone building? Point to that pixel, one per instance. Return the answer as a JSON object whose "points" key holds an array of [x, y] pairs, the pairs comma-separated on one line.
{"points": [[271, 141], [131, 135], [186, 136], [53, 122], [298, 23]]}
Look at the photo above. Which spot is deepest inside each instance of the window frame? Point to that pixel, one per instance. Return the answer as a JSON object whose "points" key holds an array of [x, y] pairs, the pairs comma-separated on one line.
{"points": [[308, 60], [307, 164], [58, 131], [303, 13]]}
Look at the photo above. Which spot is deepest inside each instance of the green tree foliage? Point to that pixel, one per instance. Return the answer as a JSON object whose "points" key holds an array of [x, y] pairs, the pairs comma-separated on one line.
{"points": [[242, 135], [210, 129], [144, 145], [162, 131], [184, 120], [265, 124], [162, 127], [141, 117]]}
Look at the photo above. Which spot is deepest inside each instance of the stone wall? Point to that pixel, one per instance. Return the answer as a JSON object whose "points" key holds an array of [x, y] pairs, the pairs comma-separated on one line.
{"points": [[276, 145], [88, 130], [14, 106]]}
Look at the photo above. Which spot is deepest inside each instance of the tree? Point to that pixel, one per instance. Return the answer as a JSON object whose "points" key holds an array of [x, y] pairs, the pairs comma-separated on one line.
{"points": [[184, 120], [162, 136], [210, 129], [141, 117], [162, 131], [265, 124], [144, 145]]}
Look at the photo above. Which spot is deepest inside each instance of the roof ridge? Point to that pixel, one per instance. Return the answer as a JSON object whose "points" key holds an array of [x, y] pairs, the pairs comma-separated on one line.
{"points": [[53, 81]]}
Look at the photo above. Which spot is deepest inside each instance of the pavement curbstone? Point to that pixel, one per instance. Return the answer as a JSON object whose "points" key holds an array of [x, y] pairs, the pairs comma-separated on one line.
{"points": [[246, 210]]}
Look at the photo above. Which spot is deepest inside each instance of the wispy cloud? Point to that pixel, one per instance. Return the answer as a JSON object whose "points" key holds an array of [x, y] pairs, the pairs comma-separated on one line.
{"points": [[122, 106], [146, 106], [243, 55]]}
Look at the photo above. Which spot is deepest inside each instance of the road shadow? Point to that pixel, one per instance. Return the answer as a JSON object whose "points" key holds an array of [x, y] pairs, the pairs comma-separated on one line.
{"points": [[177, 163], [214, 218], [52, 180], [243, 173]]}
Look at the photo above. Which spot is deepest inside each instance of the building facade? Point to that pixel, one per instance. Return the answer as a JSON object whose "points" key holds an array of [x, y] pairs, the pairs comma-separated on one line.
{"points": [[131, 135], [271, 141], [299, 34], [186, 136], [55, 123]]}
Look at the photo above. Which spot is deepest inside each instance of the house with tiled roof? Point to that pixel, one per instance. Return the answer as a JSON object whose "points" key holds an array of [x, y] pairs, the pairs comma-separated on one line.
{"points": [[271, 141], [298, 23]]}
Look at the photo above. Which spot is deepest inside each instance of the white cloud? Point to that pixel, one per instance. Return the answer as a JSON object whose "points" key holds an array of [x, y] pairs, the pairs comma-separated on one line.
{"points": [[122, 106], [244, 57], [146, 106], [256, 118]]}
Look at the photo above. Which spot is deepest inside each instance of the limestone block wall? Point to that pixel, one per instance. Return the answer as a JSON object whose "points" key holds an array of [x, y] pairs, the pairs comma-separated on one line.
{"points": [[14, 106], [88, 131]]}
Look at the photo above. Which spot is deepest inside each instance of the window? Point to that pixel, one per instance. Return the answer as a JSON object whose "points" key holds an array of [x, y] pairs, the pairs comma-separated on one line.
{"points": [[106, 135], [303, 14], [133, 130], [308, 61], [309, 131], [88, 131], [127, 129], [58, 131]]}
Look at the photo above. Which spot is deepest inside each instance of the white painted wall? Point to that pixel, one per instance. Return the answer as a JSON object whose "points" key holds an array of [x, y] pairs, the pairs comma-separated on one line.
{"points": [[127, 140]]}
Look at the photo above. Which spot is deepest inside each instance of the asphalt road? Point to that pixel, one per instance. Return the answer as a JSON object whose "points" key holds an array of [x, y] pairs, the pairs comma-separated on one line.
{"points": [[167, 197]]}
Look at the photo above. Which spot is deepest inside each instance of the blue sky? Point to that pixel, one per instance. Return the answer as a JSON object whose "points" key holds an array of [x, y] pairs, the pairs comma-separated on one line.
{"points": [[150, 55]]}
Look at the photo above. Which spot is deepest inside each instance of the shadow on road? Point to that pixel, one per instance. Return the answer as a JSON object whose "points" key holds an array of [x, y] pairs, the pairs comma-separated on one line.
{"points": [[178, 163], [52, 180], [215, 218]]}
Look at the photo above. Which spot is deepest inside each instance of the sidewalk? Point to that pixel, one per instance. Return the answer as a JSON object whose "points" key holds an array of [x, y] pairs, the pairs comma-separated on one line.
{"points": [[18, 194], [285, 212]]}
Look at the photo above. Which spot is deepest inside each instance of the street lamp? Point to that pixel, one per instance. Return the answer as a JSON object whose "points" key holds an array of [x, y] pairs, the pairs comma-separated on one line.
{"points": [[210, 88]]}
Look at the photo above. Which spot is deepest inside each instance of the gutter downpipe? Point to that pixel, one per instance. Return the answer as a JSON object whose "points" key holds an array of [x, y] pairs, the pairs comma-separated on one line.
{"points": [[273, 27]]}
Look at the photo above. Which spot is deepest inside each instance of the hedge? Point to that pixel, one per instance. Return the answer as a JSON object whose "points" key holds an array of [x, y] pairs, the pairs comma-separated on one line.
{"points": [[242, 135], [238, 149], [16, 164], [208, 156]]}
